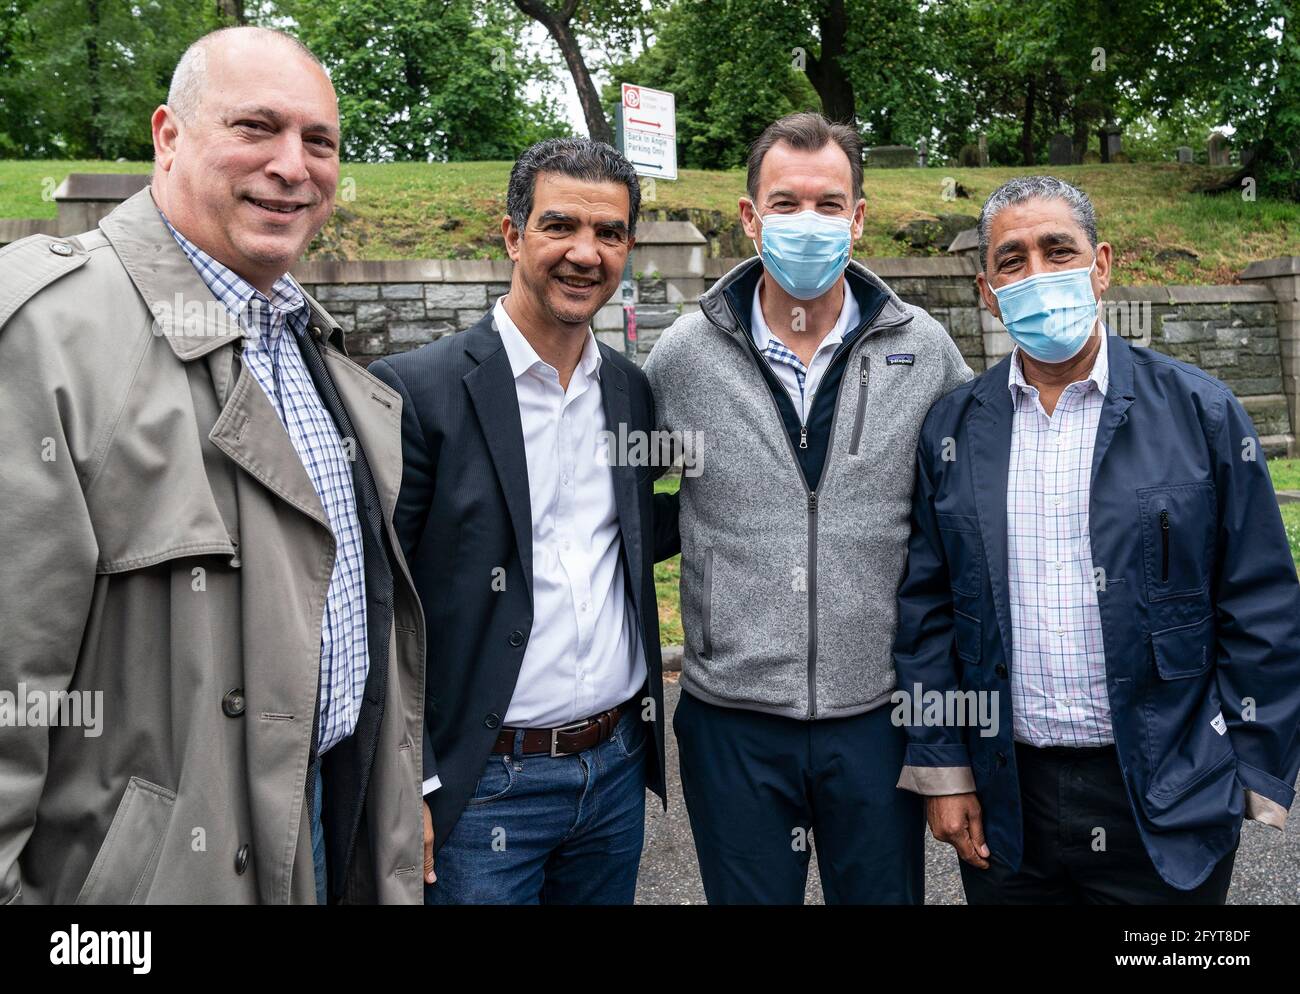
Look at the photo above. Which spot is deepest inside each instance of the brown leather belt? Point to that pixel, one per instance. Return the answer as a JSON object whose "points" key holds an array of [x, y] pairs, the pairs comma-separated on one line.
{"points": [[565, 740]]}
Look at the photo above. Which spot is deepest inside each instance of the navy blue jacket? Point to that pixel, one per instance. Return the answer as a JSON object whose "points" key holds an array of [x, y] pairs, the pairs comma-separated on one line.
{"points": [[1199, 603]]}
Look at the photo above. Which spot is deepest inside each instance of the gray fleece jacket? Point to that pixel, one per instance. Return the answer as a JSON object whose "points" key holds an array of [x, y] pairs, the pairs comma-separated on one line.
{"points": [[788, 593]]}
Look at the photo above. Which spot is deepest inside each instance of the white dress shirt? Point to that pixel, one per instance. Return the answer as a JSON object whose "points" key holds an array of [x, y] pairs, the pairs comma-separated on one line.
{"points": [[801, 381], [1058, 664], [584, 654]]}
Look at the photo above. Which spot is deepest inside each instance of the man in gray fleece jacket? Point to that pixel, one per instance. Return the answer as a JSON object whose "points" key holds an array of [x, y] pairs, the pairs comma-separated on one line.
{"points": [[805, 380]]}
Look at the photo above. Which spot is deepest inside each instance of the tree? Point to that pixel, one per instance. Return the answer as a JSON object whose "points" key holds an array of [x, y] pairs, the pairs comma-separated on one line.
{"points": [[614, 22], [81, 77], [423, 81]]}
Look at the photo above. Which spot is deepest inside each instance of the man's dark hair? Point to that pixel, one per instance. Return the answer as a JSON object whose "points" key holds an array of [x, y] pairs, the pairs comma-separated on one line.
{"points": [[807, 131], [580, 158]]}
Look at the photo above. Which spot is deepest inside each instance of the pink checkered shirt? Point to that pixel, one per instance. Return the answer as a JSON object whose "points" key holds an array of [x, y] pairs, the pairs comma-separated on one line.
{"points": [[1058, 663]]}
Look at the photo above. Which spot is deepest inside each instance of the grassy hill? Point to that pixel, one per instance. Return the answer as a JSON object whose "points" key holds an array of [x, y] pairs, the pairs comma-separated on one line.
{"points": [[453, 210]]}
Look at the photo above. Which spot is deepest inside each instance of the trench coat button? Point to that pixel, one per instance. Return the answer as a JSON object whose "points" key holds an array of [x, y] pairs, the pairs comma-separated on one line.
{"points": [[60, 248], [241, 859], [1001, 670], [516, 638], [492, 721], [233, 704], [1001, 759]]}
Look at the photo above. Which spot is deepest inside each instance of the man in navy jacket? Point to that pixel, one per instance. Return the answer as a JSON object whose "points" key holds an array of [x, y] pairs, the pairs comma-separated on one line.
{"points": [[1099, 574]]}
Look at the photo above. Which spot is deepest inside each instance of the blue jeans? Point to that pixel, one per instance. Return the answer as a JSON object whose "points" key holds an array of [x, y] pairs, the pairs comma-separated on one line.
{"points": [[551, 829], [318, 845]]}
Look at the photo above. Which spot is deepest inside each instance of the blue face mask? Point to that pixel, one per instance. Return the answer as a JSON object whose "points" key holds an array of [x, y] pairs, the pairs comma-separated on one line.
{"points": [[1050, 315], [806, 252]]}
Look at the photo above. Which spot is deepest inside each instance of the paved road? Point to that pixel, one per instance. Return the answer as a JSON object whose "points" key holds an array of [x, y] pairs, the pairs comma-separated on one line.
{"points": [[1267, 869]]}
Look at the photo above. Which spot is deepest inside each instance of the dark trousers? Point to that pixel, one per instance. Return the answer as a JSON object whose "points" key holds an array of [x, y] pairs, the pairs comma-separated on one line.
{"points": [[1081, 840], [761, 790]]}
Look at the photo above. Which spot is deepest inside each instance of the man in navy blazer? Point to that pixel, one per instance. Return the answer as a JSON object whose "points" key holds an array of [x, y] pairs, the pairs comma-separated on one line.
{"points": [[1098, 649], [526, 517]]}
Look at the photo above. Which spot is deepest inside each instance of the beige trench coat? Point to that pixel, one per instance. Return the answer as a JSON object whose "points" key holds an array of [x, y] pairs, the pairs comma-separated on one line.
{"points": [[161, 546]]}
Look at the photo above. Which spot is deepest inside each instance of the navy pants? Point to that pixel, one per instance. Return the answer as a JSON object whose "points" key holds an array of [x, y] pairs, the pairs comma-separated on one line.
{"points": [[761, 790]]}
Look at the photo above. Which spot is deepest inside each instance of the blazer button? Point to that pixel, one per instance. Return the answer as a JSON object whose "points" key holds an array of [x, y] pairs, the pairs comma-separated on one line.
{"points": [[241, 859], [1001, 759], [492, 721], [1001, 670], [516, 638], [233, 704]]}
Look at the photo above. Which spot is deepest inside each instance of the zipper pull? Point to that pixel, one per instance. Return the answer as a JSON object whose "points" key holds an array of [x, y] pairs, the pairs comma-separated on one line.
{"points": [[864, 371], [812, 501], [803, 436], [1164, 545]]}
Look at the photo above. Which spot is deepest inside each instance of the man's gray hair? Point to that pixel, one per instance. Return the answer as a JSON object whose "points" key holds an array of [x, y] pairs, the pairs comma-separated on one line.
{"points": [[1023, 188], [190, 76]]}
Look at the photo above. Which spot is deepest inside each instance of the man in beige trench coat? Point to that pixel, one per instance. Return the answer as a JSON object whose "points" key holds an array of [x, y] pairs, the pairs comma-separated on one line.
{"points": [[200, 628]]}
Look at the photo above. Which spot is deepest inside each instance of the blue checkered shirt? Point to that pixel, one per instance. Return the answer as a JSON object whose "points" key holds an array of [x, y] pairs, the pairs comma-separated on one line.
{"points": [[277, 366], [1058, 662]]}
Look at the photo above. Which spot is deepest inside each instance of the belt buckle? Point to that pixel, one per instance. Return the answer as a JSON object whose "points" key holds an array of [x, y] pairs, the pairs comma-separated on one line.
{"points": [[571, 727]]}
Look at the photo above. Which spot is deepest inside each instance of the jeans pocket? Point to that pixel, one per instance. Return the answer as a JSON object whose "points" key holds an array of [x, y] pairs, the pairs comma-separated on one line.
{"points": [[495, 783], [631, 737]]}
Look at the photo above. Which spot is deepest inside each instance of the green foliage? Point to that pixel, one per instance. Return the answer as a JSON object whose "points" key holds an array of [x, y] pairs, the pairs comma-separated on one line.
{"points": [[80, 78], [429, 81], [731, 65]]}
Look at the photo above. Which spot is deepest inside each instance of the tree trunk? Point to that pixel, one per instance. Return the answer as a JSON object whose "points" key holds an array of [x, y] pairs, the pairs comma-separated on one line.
{"points": [[94, 136], [825, 72], [232, 9], [1027, 133], [559, 26]]}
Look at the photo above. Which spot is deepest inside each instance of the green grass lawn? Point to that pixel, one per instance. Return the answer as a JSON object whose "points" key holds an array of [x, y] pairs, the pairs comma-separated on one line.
{"points": [[453, 210], [667, 581]]}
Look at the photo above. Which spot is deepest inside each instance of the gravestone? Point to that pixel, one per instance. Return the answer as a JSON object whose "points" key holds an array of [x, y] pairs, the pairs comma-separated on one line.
{"points": [[1184, 154], [1061, 150], [922, 151], [891, 157], [1111, 144], [1216, 149], [984, 149]]}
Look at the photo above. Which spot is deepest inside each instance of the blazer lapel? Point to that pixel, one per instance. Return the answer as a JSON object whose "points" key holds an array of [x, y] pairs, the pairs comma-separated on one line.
{"points": [[618, 411], [990, 454], [491, 386]]}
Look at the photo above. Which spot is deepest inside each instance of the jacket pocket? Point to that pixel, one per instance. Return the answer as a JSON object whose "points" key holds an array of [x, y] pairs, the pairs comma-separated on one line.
{"points": [[1178, 525], [864, 378], [967, 630], [706, 607], [964, 550], [124, 868], [1186, 651]]}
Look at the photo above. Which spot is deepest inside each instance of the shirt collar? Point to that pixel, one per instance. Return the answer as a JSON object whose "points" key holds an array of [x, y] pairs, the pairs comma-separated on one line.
{"points": [[847, 320], [524, 357], [1099, 375], [235, 292]]}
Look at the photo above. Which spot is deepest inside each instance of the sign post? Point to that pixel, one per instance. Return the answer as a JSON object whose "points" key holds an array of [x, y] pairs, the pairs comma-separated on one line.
{"points": [[646, 125]]}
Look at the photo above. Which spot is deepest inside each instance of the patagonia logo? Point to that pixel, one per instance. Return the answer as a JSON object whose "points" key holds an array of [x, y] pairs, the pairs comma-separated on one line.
{"points": [[902, 359]]}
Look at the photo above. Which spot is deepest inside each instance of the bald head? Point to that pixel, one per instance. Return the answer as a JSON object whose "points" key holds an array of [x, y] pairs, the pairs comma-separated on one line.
{"points": [[191, 74]]}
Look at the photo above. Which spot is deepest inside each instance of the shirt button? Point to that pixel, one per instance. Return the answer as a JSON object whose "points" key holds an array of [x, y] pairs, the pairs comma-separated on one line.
{"points": [[492, 721], [1061, 632], [1059, 565], [60, 248], [338, 692], [516, 638], [1057, 500], [584, 605], [241, 859]]}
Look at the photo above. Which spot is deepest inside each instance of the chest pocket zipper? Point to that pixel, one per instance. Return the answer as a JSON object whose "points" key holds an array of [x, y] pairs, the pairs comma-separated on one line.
{"points": [[864, 377]]}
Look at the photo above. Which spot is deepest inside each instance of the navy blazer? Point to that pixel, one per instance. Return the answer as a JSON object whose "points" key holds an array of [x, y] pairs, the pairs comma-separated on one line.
{"points": [[1199, 603], [463, 515]]}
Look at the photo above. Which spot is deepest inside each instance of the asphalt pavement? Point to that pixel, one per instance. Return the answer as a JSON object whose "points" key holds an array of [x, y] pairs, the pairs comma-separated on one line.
{"points": [[1267, 869]]}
